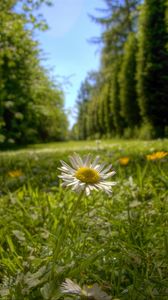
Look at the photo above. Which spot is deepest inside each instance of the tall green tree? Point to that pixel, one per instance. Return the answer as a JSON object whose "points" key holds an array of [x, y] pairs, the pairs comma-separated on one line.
{"points": [[47, 112], [92, 118], [115, 100], [82, 107], [152, 63], [128, 94], [30, 103], [18, 58], [87, 112], [120, 19], [106, 111]]}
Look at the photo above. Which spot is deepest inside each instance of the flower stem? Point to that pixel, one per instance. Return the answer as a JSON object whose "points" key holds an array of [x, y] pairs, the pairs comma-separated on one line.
{"points": [[64, 229]]}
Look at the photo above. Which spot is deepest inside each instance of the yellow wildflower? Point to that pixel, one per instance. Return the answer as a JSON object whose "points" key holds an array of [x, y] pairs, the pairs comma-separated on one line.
{"points": [[124, 161], [15, 173], [156, 155]]}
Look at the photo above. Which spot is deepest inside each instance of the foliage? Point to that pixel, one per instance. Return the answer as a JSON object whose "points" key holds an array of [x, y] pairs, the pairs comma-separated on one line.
{"points": [[119, 19], [87, 112], [120, 243], [115, 99], [130, 96], [31, 105], [153, 64], [107, 120], [127, 81]]}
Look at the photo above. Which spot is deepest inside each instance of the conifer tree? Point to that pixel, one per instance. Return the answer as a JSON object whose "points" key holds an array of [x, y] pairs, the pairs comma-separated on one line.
{"points": [[106, 103], [101, 115], [92, 127], [128, 95], [87, 103], [118, 22], [82, 119], [152, 66], [115, 100]]}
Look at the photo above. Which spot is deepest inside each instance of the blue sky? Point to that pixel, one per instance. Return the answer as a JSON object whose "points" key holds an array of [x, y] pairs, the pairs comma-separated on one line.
{"points": [[66, 46]]}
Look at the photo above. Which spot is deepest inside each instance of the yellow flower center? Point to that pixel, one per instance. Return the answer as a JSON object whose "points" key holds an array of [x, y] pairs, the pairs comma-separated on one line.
{"points": [[87, 175]]}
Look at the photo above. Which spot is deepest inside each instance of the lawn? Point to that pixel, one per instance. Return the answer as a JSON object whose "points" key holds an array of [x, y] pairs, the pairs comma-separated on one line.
{"points": [[116, 246]]}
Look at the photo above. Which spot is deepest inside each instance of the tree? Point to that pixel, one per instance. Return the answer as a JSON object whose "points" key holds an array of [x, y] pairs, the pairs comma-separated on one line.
{"points": [[105, 109], [50, 120], [31, 105], [87, 115], [127, 80], [119, 21], [18, 58], [115, 100], [152, 60]]}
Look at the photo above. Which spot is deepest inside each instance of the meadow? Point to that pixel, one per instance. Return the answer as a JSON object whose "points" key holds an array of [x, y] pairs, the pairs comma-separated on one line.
{"points": [[116, 245]]}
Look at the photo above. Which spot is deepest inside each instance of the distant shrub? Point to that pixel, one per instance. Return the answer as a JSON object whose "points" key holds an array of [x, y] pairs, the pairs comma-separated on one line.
{"points": [[147, 132]]}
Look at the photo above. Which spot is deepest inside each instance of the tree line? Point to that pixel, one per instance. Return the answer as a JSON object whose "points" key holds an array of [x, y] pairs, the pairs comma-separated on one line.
{"points": [[128, 95], [31, 104]]}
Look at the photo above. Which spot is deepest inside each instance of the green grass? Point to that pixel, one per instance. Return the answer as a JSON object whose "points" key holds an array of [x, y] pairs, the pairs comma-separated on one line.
{"points": [[119, 242]]}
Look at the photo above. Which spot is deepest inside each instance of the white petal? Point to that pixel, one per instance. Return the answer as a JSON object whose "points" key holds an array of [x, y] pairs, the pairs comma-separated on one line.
{"points": [[76, 187], [95, 162], [87, 191], [106, 169], [66, 165], [70, 287], [66, 175], [108, 175], [106, 189], [73, 162], [79, 185], [108, 183], [100, 167], [65, 169], [78, 160], [87, 160], [108, 192], [95, 187], [72, 183]]}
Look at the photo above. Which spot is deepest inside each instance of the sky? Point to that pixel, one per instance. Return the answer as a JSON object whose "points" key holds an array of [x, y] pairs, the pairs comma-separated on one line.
{"points": [[66, 49]]}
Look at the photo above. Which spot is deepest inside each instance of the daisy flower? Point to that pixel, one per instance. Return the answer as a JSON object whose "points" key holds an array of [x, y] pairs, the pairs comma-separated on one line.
{"points": [[85, 175], [95, 292], [70, 287], [87, 292]]}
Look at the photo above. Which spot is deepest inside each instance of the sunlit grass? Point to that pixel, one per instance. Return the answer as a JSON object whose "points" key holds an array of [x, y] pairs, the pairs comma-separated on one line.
{"points": [[119, 242], [116, 144]]}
